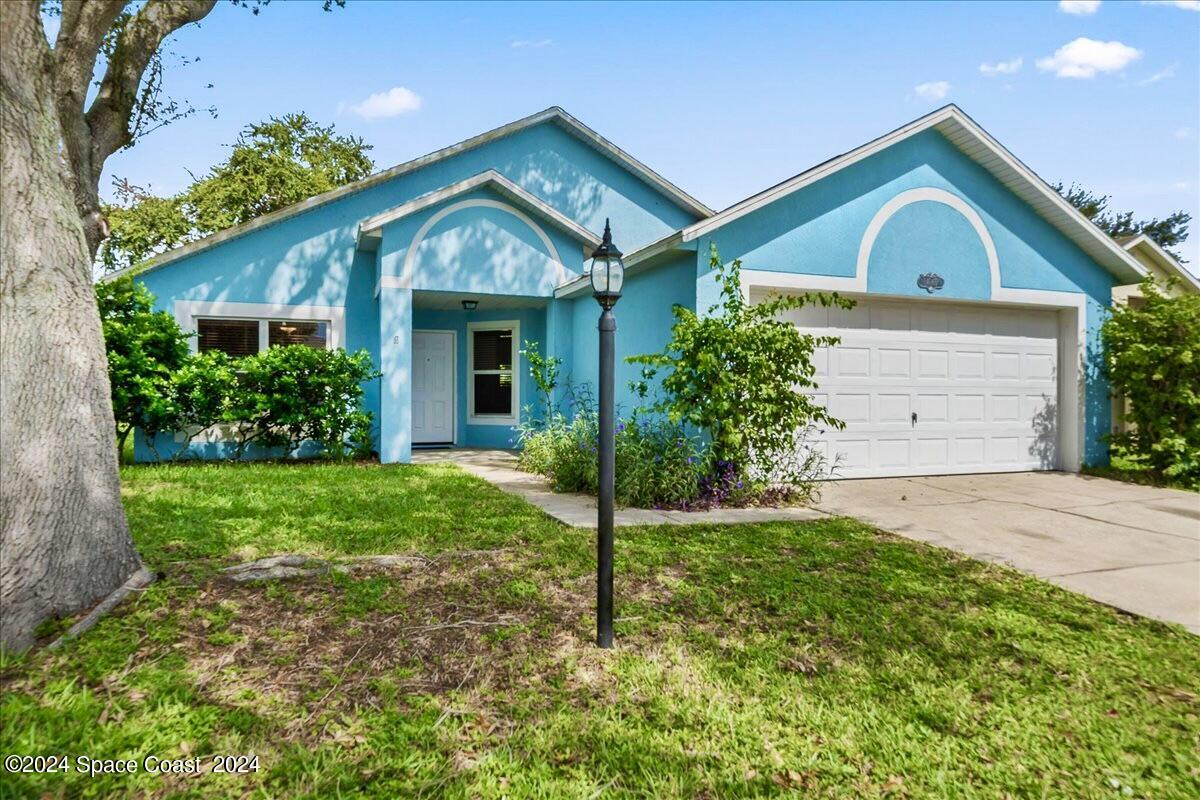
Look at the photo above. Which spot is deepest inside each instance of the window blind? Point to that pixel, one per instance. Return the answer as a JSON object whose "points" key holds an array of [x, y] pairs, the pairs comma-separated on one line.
{"points": [[234, 337]]}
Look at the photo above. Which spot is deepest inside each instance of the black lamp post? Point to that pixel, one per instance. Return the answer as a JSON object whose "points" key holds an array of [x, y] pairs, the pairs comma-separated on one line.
{"points": [[608, 273]]}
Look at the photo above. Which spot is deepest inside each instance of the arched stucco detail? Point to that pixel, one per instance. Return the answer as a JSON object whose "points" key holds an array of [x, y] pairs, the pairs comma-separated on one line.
{"points": [[933, 195], [563, 274]]}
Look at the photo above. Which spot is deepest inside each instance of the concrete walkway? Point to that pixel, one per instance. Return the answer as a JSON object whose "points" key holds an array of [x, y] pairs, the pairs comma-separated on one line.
{"points": [[1133, 547], [499, 467]]}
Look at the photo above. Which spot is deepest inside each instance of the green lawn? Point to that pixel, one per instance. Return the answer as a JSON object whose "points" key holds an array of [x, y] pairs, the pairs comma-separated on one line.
{"points": [[821, 659], [1122, 467]]}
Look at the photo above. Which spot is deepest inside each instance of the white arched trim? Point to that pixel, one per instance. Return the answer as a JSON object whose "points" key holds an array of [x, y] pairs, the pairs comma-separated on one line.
{"points": [[1072, 308], [404, 279], [922, 195]]}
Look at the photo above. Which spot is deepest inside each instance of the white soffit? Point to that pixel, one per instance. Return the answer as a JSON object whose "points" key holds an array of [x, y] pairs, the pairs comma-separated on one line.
{"points": [[1158, 255]]}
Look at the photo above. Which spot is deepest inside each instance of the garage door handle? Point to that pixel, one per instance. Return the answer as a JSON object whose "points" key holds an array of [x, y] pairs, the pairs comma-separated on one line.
{"points": [[914, 419]]}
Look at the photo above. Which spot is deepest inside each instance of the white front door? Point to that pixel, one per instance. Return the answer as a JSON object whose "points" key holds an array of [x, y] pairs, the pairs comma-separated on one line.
{"points": [[928, 388], [433, 387]]}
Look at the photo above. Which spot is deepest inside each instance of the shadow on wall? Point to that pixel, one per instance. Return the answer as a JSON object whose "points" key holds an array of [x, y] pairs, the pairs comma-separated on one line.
{"points": [[1097, 403], [559, 181], [1045, 434], [480, 255]]}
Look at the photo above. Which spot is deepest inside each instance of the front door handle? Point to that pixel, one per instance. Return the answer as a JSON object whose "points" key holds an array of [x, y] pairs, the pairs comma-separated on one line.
{"points": [[914, 419]]}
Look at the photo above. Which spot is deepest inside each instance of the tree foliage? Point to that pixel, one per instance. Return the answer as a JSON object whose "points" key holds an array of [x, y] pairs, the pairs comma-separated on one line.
{"points": [[1167, 232], [272, 165], [1153, 359], [743, 376], [145, 348]]}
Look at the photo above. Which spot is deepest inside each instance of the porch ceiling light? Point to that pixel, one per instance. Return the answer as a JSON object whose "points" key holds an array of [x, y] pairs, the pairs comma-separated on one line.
{"points": [[607, 271], [470, 305]]}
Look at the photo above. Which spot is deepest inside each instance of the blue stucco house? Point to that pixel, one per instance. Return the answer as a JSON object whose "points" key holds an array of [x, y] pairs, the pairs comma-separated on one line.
{"points": [[443, 266]]}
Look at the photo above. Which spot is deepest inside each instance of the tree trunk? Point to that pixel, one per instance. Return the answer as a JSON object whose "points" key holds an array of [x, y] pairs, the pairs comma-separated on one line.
{"points": [[64, 542]]}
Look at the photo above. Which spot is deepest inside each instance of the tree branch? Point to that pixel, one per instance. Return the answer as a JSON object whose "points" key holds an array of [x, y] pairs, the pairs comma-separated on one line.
{"points": [[84, 25], [109, 115]]}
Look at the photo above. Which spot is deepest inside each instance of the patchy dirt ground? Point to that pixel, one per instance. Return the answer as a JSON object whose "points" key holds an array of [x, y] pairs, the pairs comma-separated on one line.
{"points": [[471, 625]]}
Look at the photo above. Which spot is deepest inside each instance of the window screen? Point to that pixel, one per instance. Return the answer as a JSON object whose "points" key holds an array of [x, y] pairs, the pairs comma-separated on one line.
{"points": [[492, 364], [284, 332], [493, 394], [235, 337]]}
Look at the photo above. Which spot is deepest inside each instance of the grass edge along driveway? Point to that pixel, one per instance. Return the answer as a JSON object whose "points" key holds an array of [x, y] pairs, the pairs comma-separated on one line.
{"points": [[824, 658]]}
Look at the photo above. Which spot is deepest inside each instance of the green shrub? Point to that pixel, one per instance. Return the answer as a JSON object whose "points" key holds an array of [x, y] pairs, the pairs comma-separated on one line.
{"points": [[144, 348], [742, 376], [285, 396], [279, 398], [198, 394], [658, 464], [1152, 357]]}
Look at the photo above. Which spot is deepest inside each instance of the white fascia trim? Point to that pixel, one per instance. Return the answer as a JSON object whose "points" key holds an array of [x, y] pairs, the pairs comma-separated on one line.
{"points": [[491, 419], [633, 264], [681, 198], [572, 125], [188, 311], [371, 227], [950, 113], [1072, 336], [1162, 258]]}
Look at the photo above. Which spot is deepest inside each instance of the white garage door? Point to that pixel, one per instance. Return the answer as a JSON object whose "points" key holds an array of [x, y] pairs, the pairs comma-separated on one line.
{"points": [[929, 388]]}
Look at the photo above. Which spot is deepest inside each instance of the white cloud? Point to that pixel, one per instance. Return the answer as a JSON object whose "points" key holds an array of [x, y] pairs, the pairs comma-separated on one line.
{"points": [[1010, 67], [1186, 5], [392, 103], [1183, 134], [933, 90], [1181, 186], [1081, 8], [522, 43], [1161, 75], [1083, 58]]}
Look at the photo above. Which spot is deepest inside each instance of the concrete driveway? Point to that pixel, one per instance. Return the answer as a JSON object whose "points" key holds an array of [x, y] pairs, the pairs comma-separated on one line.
{"points": [[1133, 547]]}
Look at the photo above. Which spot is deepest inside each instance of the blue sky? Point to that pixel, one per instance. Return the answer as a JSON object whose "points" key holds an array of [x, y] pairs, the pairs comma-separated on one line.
{"points": [[722, 99]]}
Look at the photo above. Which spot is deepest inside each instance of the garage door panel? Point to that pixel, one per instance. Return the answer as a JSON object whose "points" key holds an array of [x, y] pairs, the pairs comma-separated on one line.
{"points": [[933, 408], [968, 407], [1006, 407], [894, 363], [981, 381], [969, 364], [933, 363], [932, 452], [852, 408], [1039, 367], [1006, 366], [893, 453], [893, 408], [852, 362]]}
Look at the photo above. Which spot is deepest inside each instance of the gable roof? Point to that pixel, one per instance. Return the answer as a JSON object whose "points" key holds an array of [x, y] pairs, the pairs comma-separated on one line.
{"points": [[370, 230], [965, 134], [1164, 260], [553, 114]]}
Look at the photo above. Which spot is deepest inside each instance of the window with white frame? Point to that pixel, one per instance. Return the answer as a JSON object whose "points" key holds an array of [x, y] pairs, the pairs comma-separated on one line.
{"points": [[493, 391], [243, 337]]}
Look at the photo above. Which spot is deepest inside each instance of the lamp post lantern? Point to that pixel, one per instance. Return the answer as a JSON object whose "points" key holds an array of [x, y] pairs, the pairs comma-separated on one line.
{"points": [[607, 274]]}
